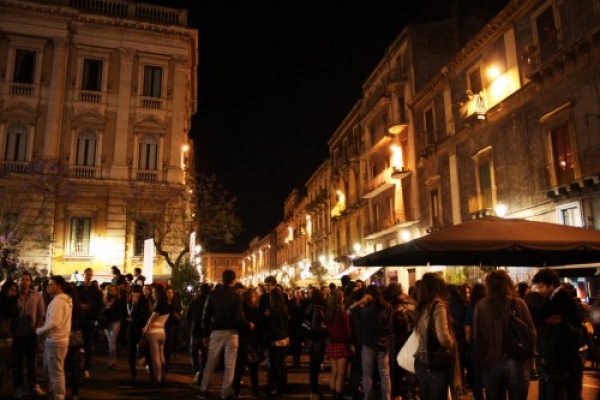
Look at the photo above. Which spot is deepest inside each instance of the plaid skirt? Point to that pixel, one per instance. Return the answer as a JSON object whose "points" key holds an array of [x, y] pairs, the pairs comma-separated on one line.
{"points": [[337, 350]]}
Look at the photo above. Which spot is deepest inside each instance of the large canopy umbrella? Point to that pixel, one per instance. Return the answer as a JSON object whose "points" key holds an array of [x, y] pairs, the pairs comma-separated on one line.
{"points": [[494, 241]]}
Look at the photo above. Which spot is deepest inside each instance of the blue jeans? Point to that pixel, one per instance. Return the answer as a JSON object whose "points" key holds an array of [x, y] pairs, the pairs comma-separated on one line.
{"points": [[369, 357], [506, 375], [560, 379], [227, 341], [433, 384], [112, 334]]}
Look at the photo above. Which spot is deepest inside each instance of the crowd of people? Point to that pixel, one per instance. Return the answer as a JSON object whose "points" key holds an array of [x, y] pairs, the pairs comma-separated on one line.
{"points": [[359, 330]]}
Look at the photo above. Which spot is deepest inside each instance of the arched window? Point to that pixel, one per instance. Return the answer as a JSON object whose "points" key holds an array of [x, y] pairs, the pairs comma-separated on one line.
{"points": [[16, 143], [86, 149], [148, 153]]}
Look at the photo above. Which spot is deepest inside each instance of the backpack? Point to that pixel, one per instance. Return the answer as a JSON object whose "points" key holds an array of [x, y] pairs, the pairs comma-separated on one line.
{"points": [[519, 338]]}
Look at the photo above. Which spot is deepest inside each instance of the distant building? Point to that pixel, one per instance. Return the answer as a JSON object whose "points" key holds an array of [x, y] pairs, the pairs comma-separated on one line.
{"points": [[214, 264], [97, 98]]}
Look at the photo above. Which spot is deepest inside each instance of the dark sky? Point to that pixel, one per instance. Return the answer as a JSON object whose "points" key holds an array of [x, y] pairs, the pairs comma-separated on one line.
{"points": [[275, 81]]}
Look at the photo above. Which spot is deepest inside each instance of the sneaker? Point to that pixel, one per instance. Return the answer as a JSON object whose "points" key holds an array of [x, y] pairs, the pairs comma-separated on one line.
{"points": [[86, 374], [37, 390], [18, 393]]}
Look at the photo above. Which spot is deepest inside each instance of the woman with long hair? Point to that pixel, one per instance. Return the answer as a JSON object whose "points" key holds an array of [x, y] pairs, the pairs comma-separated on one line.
{"points": [[113, 311], [278, 339], [315, 339], [156, 336], [340, 340], [250, 350], [500, 372], [173, 323], [432, 313]]}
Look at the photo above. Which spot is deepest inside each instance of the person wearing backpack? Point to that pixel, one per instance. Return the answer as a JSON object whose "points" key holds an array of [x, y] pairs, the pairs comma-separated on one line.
{"points": [[501, 371]]}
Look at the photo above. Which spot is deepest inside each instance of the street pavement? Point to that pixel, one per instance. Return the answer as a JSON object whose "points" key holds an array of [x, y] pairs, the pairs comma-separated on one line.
{"points": [[115, 384]]}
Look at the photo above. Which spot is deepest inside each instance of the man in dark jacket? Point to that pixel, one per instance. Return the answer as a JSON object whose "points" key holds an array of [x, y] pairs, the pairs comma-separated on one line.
{"points": [[376, 318], [194, 318], [90, 298], [223, 316], [561, 372]]}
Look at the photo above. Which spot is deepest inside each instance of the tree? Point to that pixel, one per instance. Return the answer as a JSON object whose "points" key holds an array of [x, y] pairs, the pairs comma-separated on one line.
{"points": [[28, 202], [170, 213]]}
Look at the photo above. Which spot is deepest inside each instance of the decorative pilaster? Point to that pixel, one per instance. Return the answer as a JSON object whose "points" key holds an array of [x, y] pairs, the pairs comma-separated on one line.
{"points": [[57, 99], [120, 167]]}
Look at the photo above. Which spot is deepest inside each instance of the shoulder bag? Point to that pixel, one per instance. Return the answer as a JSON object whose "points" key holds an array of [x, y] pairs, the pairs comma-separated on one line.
{"points": [[519, 338], [433, 355], [406, 355]]}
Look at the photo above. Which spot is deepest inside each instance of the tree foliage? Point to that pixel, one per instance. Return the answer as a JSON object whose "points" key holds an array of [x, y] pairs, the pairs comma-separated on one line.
{"points": [[171, 213]]}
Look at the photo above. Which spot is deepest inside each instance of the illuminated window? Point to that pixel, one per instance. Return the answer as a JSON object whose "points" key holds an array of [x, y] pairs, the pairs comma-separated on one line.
{"points": [[562, 155], [436, 208], [475, 81], [80, 236]]}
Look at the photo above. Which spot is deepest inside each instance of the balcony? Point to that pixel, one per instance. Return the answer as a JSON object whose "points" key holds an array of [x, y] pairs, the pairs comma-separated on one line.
{"points": [[476, 106], [397, 77], [573, 172], [146, 176], [131, 10], [22, 89], [89, 96], [378, 184], [81, 172], [400, 173], [14, 167], [153, 103], [482, 204]]}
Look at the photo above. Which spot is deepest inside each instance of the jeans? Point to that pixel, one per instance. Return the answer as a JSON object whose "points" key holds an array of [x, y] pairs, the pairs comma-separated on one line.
{"points": [[433, 384], [54, 361], [73, 366], [24, 347], [368, 357], [240, 362], [227, 341], [156, 342], [112, 334], [88, 330], [504, 376], [316, 359], [133, 338]]}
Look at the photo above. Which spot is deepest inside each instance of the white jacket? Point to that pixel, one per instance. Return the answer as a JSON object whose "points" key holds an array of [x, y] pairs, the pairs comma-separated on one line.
{"points": [[57, 325]]}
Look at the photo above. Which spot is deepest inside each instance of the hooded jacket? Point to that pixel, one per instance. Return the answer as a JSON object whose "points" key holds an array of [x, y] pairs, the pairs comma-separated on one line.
{"points": [[57, 326]]}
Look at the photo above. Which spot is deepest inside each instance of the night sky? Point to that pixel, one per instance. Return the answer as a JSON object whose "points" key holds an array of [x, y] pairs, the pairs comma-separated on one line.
{"points": [[275, 81]]}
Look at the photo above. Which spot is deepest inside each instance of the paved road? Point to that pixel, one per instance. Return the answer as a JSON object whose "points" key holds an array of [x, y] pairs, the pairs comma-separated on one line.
{"points": [[115, 384]]}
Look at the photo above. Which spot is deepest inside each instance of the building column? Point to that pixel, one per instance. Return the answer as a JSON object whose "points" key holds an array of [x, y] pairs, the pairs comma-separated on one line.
{"points": [[57, 99], [120, 167]]}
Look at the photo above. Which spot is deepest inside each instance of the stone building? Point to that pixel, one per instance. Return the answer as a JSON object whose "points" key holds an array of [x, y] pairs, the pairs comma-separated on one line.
{"points": [[96, 98]]}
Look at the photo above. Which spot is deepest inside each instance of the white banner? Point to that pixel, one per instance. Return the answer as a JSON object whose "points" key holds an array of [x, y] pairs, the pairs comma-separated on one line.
{"points": [[148, 266]]}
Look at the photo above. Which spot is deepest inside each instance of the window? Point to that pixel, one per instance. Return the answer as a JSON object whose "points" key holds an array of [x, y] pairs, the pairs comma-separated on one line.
{"points": [[485, 183], [474, 81], [24, 71], [152, 81], [429, 126], [402, 109], [562, 156], [547, 33], [570, 214], [375, 217], [80, 236], [16, 144], [86, 149], [436, 217], [92, 75], [143, 231], [148, 153]]}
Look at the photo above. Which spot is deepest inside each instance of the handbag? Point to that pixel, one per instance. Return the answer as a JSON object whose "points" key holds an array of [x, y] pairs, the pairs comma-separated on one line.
{"points": [[406, 355], [519, 339], [142, 347], [434, 356]]}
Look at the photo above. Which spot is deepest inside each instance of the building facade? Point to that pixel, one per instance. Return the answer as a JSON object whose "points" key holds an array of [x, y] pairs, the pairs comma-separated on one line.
{"points": [[96, 99]]}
